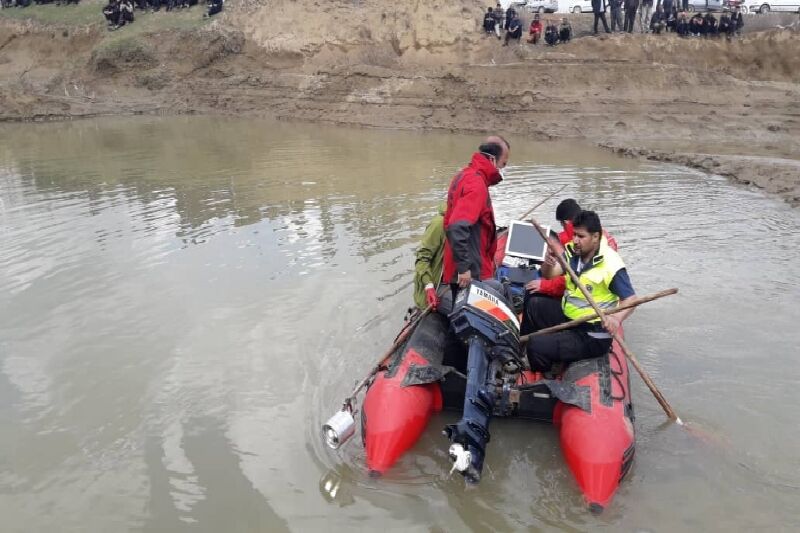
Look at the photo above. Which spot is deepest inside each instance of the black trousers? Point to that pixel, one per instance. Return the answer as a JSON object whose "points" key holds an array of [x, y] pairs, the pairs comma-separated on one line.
{"points": [[601, 16], [630, 18], [539, 312], [564, 346]]}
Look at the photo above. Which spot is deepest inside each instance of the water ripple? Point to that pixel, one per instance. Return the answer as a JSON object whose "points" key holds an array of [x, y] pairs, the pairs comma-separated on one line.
{"points": [[243, 277]]}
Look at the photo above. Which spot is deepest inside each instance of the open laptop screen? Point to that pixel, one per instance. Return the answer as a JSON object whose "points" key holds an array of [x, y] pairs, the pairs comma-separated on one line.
{"points": [[524, 241]]}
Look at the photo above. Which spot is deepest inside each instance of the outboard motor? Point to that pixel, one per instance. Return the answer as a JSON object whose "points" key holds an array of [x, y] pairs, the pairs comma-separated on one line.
{"points": [[483, 320]]}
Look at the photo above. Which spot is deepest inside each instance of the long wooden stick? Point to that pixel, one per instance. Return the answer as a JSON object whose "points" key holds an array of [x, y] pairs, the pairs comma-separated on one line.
{"points": [[586, 294], [523, 217], [400, 340], [572, 323]]}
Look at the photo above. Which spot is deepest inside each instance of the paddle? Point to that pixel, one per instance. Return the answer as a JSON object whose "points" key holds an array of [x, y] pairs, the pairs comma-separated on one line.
{"points": [[586, 294], [410, 327], [572, 323]]}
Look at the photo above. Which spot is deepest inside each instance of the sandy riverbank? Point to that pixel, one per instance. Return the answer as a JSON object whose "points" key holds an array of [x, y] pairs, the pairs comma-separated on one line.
{"points": [[732, 108]]}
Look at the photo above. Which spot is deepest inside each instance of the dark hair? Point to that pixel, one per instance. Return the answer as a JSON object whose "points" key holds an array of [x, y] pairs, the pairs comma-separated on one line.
{"points": [[492, 149], [567, 210], [490, 10], [588, 220]]}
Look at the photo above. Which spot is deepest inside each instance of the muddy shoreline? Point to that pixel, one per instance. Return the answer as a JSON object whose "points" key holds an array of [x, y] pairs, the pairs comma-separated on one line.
{"points": [[729, 108]]}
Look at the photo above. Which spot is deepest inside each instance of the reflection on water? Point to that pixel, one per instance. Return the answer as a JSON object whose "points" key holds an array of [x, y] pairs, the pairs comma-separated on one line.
{"points": [[183, 301]]}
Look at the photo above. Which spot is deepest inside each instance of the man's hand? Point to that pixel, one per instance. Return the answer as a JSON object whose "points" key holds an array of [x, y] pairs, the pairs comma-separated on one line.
{"points": [[550, 259], [555, 245], [611, 323], [465, 279], [431, 297], [533, 285]]}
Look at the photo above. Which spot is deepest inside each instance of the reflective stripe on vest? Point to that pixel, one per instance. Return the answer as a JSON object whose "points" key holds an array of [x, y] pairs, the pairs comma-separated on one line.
{"points": [[597, 279]]}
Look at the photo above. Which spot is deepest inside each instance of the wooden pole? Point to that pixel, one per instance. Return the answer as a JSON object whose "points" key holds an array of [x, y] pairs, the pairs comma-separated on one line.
{"points": [[572, 323], [523, 217], [400, 340], [586, 294]]}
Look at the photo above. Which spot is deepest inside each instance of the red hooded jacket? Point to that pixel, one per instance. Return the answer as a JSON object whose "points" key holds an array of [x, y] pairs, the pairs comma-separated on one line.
{"points": [[555, 287], [469, 221]]}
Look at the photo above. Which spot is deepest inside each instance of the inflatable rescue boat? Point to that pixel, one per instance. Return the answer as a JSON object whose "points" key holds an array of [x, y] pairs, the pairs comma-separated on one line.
{"points": [[467, 358]]}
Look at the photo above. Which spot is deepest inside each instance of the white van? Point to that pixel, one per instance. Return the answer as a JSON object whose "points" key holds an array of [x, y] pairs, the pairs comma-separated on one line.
{"points": [[542, 6], [765, 6], [580, 6], [705, 5]]}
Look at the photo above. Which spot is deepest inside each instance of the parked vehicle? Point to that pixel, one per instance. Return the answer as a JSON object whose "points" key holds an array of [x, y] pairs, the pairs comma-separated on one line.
{"points": [[505, 4], [765, 6], [542, 6], [705, 5], [580, 6]]}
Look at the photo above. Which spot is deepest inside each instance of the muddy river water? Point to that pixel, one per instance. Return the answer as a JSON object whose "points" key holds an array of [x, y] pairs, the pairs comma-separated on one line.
{"points": [[183, 301]]}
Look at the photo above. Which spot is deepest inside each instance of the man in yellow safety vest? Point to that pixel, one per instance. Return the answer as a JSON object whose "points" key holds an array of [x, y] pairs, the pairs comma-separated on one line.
{"points": [[603, 273]]}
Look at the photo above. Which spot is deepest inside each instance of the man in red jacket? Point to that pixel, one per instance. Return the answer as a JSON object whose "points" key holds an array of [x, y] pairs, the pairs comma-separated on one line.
{"points": [[469, 218]]}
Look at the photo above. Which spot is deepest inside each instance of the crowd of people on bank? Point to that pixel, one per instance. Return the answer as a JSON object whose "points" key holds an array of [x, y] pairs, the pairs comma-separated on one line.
{"points": [[552, 33], [668, 16], [118, 13], [26, 3]]}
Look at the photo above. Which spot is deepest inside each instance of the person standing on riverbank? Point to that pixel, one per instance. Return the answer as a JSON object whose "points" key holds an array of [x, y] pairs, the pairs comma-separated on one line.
{"points": [[631, 6], [471, 234], [645, 12], [616, 15], [599, 10]]}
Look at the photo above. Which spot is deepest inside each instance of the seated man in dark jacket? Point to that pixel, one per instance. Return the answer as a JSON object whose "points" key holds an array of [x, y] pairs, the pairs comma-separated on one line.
{"points": [[671, 20], [488, 22], [498, 19], [550, 33], [214, 7], [657, 22], [111, 12], [514, 29], [510, 14], [696, 25], [724, 27], [710, 25], [126, 12], [737, 20], [565, 31], [682, 25]]}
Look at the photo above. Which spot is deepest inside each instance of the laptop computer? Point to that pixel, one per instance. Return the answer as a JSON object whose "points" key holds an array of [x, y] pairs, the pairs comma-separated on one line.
{"points": [[525, 242]]}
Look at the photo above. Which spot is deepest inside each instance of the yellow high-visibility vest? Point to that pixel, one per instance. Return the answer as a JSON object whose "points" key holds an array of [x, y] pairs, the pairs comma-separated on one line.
{"points": [[597, 280]]}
